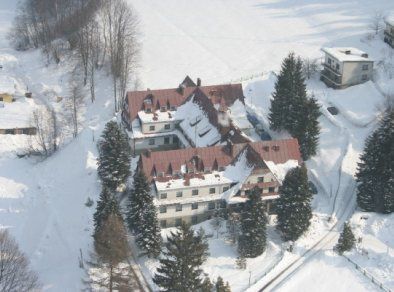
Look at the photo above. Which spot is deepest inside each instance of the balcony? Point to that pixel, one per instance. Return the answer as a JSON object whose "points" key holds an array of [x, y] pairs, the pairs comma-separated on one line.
{"points": [[332, 70], [331, 78]]}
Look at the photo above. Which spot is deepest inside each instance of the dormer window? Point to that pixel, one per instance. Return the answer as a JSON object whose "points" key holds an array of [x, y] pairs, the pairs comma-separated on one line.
{"points": [[207, 169], [163, 109], [148, 110], [173, 108]]}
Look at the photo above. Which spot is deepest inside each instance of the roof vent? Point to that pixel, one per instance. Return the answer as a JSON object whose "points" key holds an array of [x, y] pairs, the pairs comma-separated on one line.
{"points": [[347, 52], [266, 148], [275, 148], [364, 55]]}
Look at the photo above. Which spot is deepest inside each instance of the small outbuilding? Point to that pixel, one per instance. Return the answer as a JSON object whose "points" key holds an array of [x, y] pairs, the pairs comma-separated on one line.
{"points": [[7, 89]]}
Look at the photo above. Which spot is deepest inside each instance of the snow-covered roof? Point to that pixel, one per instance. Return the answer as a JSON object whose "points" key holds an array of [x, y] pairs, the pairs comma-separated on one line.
{"points": [[157, 116], [280, 170], [347, 54], [7, 84], [16, 114], [196, 126], [390, 19], [239, 116]]}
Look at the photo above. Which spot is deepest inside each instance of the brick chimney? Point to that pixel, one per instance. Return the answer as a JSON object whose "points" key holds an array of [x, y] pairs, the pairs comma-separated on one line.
{"points": [[198, 82]]}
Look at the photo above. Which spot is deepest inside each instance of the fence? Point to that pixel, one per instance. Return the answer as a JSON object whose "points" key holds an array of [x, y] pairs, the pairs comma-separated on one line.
{"points": [[368, 275]]}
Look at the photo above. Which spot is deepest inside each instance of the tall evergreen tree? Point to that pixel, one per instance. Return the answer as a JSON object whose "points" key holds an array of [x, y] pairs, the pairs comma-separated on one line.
{"points": [[294, 204], [142, 217], [346, 240], [375, 190], [106, 205], [221, 287], [252, 240], [114, 156], [207, 285], [180, 270], [292, 110]]}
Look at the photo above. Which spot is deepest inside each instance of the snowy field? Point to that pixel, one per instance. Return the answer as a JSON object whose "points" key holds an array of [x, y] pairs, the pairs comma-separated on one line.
{"points": [[42, 203]]}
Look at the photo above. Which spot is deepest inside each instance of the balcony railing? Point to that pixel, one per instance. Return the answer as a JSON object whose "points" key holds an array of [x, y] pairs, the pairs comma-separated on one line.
{"points": [[332, 70], [328, 78]]}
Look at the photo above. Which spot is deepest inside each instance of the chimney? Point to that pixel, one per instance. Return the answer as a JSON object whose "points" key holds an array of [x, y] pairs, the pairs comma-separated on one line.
{"points": [[347, 52], [198, 82], [364, 55], [181, 89], [148, 152]]}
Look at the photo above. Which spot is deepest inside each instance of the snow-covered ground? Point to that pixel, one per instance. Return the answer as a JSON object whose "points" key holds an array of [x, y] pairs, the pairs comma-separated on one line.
{"points": [[43, 202]]}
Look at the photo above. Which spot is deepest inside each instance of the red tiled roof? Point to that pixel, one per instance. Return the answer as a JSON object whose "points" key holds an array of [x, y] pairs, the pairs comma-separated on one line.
{"points": [[175, 97], [278, 151]]}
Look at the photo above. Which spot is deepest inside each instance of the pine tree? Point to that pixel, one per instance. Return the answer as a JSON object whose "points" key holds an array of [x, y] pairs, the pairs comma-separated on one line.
{"points": [[221, 287], [376, 183], [142, 217], [292, 110], [252, 241], [207, 285], [346, 240], [106, 205], [180, 270], [114, 156], [294, 204]]}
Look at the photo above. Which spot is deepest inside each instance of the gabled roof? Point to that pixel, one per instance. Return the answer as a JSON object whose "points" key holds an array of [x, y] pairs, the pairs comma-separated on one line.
{"points": [[215, 157], [176, 96], [188, 82]]}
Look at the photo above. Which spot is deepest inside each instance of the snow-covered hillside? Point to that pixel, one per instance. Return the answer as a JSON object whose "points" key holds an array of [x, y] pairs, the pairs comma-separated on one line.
{"points": [[43, 203]]}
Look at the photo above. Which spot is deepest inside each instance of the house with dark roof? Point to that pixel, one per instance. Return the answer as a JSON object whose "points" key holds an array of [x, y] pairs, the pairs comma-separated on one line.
{"points": [[189, 115], [191, 184]]}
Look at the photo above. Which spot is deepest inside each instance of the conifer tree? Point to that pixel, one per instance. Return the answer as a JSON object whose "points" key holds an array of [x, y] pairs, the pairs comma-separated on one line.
{"points": [[142, 216], [294, 204], [207, 285], [179, 269], [114, 156], [292, 110], [252, 241], [106, 205], [221, 287], [375, 190], [346, 240]]}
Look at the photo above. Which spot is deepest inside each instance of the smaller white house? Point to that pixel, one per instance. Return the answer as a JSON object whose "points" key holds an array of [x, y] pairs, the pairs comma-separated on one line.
{"points": [[345, 66], [389, 30]]}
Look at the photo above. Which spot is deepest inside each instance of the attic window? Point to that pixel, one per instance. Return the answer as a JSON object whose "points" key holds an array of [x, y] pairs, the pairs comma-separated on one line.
{"points": [[207, 169], [147, 101], [204, 133], [275, 148]]}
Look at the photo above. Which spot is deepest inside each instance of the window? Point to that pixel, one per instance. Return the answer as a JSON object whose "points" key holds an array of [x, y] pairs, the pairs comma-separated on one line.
{"points": [[151, 128], [175, 140], [364, 77], [212, 190], [167, 126], [211, 205], [179, 194], [10, 131], [163, 196], [194, 192], [260, 179], [207, 169], [148, 110], [225, 189], [167, 140], [221, 168], [223, 204], [163, 223], [365, 67], [151, 141], [329, 61], [178, 208], [194, 206], [337, 66], [163, 209], [173, 108], [178, 222], [1, 99], [271, 189], [194, 219], [163, 109]]}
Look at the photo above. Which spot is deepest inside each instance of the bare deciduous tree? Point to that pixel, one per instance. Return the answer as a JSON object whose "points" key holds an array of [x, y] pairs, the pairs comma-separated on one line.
{"points": [[74, 104], [120, 23], [15, 273], [377, 22], [309, 67], [46, 140], [112, 249]]}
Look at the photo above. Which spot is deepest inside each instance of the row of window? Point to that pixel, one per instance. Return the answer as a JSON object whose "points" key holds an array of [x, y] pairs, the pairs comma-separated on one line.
{"points": [[364, 67], [166, 127], [179, 194], [152, 141], [194, 206], [162, 109], [178, 222]]}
